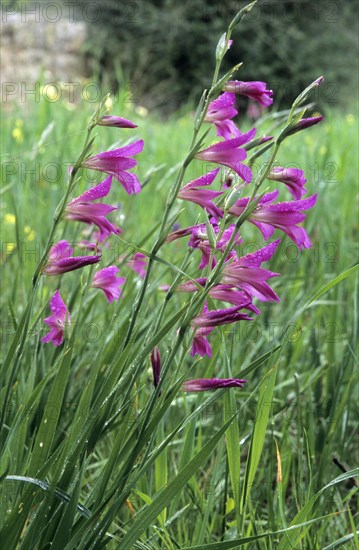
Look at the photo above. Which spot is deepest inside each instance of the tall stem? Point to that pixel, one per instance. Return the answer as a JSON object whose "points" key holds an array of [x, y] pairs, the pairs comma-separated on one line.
{"points": [[24, 323], [170, 201]]}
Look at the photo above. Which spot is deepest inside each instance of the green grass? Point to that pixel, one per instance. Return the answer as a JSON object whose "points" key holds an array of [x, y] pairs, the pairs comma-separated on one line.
{"points": [[159, 473]]}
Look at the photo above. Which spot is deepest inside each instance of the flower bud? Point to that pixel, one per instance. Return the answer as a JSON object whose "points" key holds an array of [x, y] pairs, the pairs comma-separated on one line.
{"points": [[156, 365]]}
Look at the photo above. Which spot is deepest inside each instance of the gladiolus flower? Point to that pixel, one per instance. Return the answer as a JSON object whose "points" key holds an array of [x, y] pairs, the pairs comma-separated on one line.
{"points": [[116, 122], [231, 295], [205, 384], [293, 178], [282, 215], [219, 317], [285, 216], [200, 344], [220, 111], [117, 163], [303, 124], [81, 209], [247, 274], [199, 239], [60, 259], [89, 245], [156, 365], [138, 264], [106, 280], [254, 90], [184, 232], [225, 293], [203, 197], [208, 320], [60, 316], [230, 154]]}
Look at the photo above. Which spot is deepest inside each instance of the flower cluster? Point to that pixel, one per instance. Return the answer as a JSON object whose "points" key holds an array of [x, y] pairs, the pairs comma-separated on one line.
{"points": [[242, 279], [233, 282], [86, 209]]}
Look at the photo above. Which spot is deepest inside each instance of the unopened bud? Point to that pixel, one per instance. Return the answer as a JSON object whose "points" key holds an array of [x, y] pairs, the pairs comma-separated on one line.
{"points": [[156, 365], [303, 96]]}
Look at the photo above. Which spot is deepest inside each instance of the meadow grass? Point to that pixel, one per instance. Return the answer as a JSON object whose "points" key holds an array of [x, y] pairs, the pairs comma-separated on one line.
{"points": [[82, 465]]}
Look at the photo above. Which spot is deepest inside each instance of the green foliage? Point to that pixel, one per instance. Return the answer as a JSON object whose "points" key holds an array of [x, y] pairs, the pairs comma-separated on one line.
{"points": [[79, 482], [160, 51], [91, 455]]}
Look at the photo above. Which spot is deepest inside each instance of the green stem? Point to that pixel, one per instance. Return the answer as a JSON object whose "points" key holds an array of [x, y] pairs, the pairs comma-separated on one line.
{"points": [[170, 293], [24, 324], [162, 232]]}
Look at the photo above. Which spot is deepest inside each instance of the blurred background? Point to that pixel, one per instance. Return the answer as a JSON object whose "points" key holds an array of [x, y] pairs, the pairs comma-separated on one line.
{"points": [[161, 52]]}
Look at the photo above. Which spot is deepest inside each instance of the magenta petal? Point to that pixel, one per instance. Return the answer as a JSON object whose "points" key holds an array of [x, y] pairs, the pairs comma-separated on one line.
{"points": [[60, 250], [232, 143], [116, 122], [205, 384], [222, 102], [293, 178], [129, 181], [284, 216], [97, 192], [156, 366], [262, 255], [116, 162], [256, 90], [132, 149], [138, 264], [58, 306], [69, 264], [240, 205], [200, 345], [207, 179], [227, 129], [220, 317], [56, 321], [106, 280]]}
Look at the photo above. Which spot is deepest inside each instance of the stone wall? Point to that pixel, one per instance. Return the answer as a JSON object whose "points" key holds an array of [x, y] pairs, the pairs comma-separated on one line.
{"points": [[40, 45]]}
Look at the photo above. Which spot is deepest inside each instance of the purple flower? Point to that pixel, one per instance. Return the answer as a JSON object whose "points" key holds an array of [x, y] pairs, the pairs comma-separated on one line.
{"points": [[282, 215], [156, 365], [254, 90], [60, 316], [106, 280], [230, 154], [199, 239], [247, 274], [203, 197], [81, 209], [208, 320], [240, 205], [117, 163], [219, 317], [231, 295], [60, 259], [205, 384], [225, 293], [200, 343], [89, 245], [305, 123], [220, 111], [293, 178], [116, 122], [184, 232], [138, 264]]}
